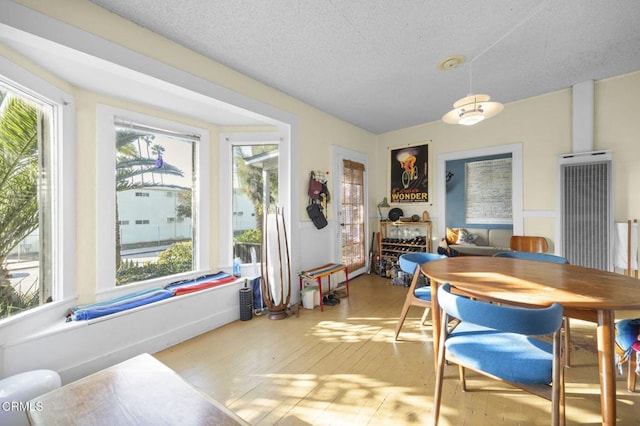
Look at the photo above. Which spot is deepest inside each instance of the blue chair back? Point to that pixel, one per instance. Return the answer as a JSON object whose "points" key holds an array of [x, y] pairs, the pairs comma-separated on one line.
{"points": [[531, 322], [409, 261], [542, 257]]}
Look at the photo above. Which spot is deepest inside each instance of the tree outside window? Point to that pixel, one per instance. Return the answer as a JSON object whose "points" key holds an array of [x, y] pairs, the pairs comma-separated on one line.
{"points": [[23, 201], [161, 166], [255, 189]]}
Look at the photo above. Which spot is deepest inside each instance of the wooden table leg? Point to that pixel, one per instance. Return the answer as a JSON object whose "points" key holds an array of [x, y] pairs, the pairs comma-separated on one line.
{"points": [[606, 366]]}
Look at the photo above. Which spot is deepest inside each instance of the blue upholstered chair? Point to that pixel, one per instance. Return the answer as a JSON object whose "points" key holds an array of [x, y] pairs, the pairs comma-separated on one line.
{"points": [[552, 258], [496, 340], [542, 257], [421, 296]]}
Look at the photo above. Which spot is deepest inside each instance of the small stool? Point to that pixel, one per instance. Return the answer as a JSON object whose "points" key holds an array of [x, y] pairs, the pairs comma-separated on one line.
{"points": [[325, 271]]}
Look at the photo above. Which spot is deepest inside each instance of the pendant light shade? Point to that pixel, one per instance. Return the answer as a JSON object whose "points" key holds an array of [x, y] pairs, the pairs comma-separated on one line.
{"points": [[472, 109]]}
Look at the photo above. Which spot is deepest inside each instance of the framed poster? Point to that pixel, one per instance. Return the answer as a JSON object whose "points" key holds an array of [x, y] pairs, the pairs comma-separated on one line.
{"points": [[409, 170]]}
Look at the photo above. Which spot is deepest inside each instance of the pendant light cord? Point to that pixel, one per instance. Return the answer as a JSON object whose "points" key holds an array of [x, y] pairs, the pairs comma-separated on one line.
{"points": [[530, 15]]}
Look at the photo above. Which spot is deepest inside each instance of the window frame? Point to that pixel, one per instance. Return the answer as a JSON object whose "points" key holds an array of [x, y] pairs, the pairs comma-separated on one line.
{"points": [[226, 143], [62, 182], [106, 199]]}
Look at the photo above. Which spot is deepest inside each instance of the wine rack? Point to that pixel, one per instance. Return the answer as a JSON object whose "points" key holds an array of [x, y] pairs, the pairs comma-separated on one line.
{"points": [[398, 238]]}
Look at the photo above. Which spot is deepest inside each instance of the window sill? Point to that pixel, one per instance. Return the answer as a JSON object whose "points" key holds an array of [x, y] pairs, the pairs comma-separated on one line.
{"points": [[54, 316]]}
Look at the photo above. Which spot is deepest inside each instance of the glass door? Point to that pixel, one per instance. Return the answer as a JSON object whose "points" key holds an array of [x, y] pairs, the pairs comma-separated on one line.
{"points": [[352, 214]]}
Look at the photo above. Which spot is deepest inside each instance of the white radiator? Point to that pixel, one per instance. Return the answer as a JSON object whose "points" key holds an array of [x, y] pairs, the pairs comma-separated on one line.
{"points": [[586, 192]]}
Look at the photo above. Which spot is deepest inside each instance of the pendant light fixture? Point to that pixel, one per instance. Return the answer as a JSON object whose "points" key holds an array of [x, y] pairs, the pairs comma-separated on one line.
{"points": [[474, 108]]}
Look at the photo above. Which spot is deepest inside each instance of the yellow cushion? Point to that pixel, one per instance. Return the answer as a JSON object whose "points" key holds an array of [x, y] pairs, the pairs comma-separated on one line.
{"points": [[452, 235]]}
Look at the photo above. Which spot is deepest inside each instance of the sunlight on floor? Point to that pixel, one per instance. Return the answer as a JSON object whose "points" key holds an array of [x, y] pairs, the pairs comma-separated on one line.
{"points": [[348, 394], [343, 367]]}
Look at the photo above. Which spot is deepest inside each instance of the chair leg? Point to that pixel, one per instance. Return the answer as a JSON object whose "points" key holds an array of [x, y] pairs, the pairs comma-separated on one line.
{"points": [[631, 373], [403, 315], [557, 389], [463, 380], [567, 342], [563, 416], [408, 300], [425, 315], [437, 394]]}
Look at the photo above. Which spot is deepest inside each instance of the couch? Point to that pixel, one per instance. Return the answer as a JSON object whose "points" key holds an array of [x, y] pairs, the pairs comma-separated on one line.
{"points": [[479, 241]]}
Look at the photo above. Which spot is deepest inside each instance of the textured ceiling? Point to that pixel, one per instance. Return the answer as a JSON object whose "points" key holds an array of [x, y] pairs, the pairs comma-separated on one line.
{"points": [[374, 63]]}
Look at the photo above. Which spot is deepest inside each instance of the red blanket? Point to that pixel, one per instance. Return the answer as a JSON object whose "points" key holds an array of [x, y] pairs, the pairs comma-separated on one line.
{"points": [[200, 283]]}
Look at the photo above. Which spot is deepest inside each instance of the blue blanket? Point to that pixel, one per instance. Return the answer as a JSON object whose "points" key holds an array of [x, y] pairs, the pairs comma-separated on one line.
{"points": [[120, 304], [115, 300], [144, 297]]}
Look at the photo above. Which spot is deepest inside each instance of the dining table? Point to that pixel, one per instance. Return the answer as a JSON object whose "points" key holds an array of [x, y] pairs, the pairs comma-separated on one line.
{"points": [[584, 293]]}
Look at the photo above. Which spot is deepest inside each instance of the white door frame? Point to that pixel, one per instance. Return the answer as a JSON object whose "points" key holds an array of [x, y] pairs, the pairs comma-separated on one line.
{"points": [[515, 150]]}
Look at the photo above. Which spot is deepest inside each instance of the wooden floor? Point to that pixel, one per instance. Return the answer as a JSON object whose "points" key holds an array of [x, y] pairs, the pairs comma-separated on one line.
{"points": [[342, 367]]}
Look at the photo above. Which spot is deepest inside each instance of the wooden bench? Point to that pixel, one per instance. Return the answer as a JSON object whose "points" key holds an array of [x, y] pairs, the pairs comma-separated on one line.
{"points": [[325, 271]]}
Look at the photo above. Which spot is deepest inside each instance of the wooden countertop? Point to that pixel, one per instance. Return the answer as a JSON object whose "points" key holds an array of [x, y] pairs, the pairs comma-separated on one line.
{"points": [[138, 391]]}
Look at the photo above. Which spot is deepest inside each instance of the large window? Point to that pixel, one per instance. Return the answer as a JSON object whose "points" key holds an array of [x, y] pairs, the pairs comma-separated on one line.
{"points": [[254, 176], [159, 232], [31, 197], [154, 190], [255, 190]]}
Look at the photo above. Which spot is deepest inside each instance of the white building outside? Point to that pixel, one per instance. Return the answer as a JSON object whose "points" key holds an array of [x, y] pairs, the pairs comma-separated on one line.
{"points": [[148, 217]]}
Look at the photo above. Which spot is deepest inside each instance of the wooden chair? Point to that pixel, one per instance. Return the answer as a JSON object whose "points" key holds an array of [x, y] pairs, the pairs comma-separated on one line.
{"points": [[499, 341], [529, 244], [410, 263]]}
